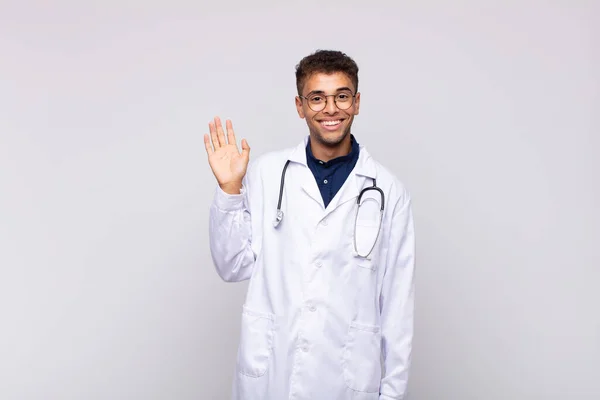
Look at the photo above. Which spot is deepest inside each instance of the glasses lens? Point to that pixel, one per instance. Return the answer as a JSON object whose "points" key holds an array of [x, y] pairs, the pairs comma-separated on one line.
{"points": [[344, 100], [317, 102]]}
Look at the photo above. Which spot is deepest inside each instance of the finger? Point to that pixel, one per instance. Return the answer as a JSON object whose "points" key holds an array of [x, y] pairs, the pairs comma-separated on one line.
{"points": [[245, 149], [230, 133], [213, 135], [207, 145], [220, 132]]}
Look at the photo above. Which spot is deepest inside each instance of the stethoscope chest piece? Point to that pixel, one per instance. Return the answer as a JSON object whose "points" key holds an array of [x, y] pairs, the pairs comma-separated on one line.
{"points": [[278, 218]]}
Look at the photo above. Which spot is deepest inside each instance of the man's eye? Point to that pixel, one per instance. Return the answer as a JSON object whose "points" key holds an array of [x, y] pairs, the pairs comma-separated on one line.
{"points": [[343, 96], [316, 99]]}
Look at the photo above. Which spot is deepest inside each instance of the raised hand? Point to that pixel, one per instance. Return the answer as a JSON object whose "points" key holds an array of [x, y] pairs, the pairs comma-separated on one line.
{"points": [[226, 161]]}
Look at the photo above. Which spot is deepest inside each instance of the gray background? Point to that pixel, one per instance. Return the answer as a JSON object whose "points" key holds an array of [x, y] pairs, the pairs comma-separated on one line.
{"points": [[487, 112]]}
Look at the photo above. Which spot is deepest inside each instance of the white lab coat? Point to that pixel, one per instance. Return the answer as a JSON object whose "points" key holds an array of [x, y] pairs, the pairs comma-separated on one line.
{"points": [[319, 322]]}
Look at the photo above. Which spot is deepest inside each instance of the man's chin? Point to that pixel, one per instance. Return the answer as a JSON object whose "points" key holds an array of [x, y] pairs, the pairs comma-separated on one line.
{"points": [[331, 139]]}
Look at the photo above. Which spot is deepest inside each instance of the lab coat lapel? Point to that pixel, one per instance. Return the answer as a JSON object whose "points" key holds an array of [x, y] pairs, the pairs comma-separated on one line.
{"points": [[305, 176], [363, 171]]}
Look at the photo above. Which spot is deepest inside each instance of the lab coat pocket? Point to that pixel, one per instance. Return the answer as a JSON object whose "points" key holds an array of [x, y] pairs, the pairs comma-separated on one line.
{"points": [[365, 240], [256, 343], [361, 360]]}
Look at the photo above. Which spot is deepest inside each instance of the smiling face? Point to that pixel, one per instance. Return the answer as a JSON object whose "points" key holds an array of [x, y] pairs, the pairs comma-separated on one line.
{"points": [[330, 126]]}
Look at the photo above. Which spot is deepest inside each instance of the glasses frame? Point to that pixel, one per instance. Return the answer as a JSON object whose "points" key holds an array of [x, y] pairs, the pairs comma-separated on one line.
{"points": [[353, 96]]}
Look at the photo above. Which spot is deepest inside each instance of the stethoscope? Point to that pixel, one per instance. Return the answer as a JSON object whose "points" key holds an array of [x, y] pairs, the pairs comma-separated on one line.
{"points": [[279, 214]]}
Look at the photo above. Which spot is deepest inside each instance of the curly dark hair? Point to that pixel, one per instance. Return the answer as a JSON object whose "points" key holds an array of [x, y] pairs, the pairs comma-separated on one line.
{"points": [[326, 61]]}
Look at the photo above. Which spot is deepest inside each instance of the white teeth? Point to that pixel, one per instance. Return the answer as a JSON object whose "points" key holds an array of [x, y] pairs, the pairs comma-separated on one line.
{"points": [[331, 123]]}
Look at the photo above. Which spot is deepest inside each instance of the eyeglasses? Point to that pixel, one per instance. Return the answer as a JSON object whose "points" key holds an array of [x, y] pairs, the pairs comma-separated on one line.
{"points": [[317, 101]]}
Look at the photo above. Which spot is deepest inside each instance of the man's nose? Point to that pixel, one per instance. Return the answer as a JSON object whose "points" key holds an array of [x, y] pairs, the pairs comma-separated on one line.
{"points": [[330, 107]]}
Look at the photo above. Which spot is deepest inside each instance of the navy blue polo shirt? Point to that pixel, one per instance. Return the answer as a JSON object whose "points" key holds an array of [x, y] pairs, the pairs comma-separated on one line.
{"points": [[331, 175]]}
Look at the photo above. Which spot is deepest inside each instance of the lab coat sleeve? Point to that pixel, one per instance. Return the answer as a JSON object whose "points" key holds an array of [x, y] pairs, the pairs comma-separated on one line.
{"points": [[230, 235], [397, 304]]}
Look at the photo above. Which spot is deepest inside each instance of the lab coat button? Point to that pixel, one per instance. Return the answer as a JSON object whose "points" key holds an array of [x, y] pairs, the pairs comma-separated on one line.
{"points": [[324, 222], [318, 264], [312, 308]]}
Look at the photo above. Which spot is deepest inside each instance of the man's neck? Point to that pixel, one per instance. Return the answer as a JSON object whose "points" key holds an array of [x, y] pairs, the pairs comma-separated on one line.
{"points": [[326, 153]]}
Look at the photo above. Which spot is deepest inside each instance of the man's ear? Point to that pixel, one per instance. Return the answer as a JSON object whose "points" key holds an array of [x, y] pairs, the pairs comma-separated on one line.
{"points": [[299, 107], [356, 103]]}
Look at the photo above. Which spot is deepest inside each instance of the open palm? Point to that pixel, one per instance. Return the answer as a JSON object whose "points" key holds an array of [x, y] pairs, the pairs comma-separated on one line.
{"points": [[226, 161]]}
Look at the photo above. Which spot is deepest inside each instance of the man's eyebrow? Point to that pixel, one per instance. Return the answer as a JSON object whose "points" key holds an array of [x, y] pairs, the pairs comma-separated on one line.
{"points": [[323, 92]]}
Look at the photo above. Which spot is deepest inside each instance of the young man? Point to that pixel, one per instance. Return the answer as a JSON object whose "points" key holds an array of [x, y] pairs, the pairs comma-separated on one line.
{"points": [[325, 235]]}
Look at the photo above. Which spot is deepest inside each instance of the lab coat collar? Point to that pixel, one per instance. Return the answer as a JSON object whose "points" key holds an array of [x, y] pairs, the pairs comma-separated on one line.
{"points": [[364, 169], [365, 165]]}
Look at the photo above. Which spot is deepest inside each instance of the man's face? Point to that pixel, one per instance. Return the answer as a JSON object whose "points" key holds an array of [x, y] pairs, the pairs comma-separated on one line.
{"points": [[331, 125]]}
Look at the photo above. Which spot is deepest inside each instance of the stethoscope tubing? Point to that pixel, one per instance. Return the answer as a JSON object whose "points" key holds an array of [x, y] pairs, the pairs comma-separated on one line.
{"points": [[279, 215]]}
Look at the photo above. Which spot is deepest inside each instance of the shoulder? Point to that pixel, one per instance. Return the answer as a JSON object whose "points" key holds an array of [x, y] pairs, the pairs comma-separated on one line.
{"points": [[267, 163], [270, 159]]}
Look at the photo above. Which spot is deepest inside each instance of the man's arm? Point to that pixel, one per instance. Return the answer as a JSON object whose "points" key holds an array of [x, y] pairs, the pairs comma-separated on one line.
{"points": [[397, 303], [230, 228], [230, 233]]}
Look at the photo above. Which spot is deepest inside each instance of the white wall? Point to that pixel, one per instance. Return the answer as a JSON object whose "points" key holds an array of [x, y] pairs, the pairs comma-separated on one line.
{"points": [[489, 114]]}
